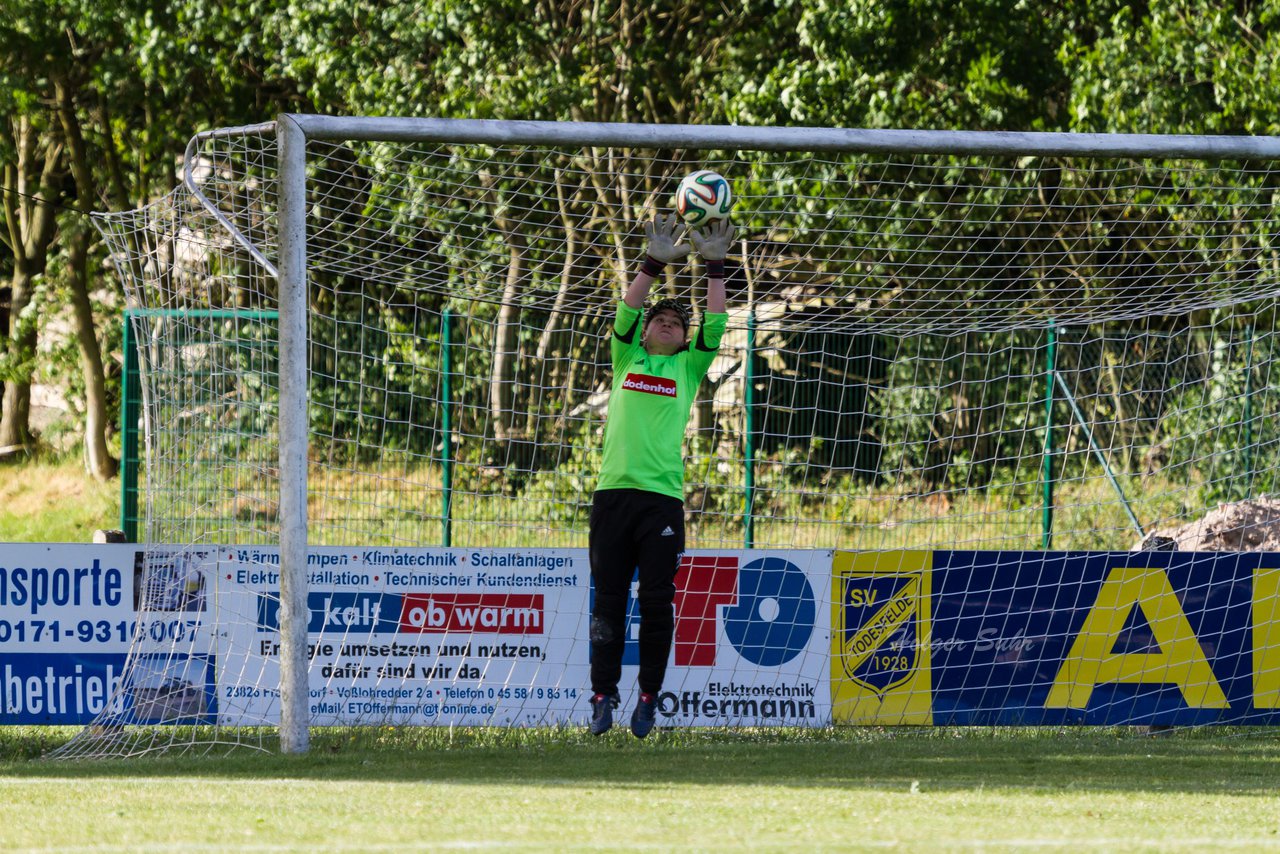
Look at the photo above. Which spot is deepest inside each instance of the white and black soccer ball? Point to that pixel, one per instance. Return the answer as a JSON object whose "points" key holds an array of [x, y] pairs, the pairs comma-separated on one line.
{"points": [[703, 197]]}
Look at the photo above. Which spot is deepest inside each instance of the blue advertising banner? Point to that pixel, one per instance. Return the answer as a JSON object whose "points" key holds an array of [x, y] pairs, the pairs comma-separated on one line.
{"points": [[66, 688], [1035, 638]]}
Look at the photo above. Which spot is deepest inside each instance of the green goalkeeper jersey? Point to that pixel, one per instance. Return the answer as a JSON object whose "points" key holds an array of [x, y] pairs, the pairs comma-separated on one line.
{"points": [[649, 405]]}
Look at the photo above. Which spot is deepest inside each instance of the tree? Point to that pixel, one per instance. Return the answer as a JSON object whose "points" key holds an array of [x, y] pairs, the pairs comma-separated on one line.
{"points": [[1175, 67], [552, 60], [88, 86], [941, 64], [78, 240], [32, 175]]}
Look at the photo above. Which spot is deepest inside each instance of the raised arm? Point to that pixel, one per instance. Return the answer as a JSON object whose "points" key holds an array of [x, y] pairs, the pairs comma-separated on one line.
{"points": [[713, 245], [665, 245]]}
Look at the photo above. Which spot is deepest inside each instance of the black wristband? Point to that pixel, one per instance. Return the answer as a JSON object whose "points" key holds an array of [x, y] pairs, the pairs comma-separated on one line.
{"points": [[652, 266], [715, 269]]}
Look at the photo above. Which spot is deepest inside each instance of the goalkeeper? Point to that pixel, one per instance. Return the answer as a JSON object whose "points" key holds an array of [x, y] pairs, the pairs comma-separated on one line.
{"points": [[637, 514]]}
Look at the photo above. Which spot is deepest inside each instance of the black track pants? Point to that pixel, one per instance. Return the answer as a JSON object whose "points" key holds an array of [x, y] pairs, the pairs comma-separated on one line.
{"points": [[633, 530]]}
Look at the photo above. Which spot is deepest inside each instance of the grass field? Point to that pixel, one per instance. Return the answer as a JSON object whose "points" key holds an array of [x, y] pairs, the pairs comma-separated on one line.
{"points": [[831, 789], [54, 502]]}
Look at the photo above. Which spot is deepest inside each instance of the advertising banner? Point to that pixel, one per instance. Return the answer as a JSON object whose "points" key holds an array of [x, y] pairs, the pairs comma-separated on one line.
{"points": [[71, 640], [762, 637], [881, 666], [1013, 638], [412, 636], [751, 640], [499, 636], [397, 636]]}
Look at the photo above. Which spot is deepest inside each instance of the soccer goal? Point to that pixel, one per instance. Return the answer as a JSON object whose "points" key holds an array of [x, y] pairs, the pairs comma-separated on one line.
{"points": [[375, 364]]}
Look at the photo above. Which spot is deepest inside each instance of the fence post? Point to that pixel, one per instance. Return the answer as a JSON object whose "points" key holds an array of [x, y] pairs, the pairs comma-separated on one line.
{"points": [[1050, 369], [1248, 411], [749, 427], [446, 421], [130, 410]]}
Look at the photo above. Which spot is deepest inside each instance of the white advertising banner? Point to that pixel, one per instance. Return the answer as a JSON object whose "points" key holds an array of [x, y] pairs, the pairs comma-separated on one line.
{"points": [[413, 636], [752, 640], [417, 636]]}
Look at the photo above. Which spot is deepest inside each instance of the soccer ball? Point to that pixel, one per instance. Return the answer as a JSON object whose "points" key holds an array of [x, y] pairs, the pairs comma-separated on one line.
{"points": [[703, 197]]}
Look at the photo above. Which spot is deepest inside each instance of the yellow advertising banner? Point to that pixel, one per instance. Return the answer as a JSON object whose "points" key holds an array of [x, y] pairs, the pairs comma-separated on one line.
{"points": [[880, 662], [1266, 638]]}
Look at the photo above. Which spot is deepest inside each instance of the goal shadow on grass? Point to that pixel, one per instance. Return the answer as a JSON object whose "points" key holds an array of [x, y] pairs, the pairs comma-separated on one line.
{"points": [[1212, 761]]}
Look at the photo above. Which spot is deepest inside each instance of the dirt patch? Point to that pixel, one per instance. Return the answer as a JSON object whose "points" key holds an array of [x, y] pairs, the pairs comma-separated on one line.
{"points": [[1245, 526]]}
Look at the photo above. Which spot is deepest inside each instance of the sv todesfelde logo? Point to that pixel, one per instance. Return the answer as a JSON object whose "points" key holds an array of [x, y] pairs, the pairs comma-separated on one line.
{"points": [[881, 631]]}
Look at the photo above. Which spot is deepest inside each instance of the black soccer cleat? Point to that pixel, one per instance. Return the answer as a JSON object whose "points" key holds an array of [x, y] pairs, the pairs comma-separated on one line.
{"points": [[602, 706], [645, 715]]}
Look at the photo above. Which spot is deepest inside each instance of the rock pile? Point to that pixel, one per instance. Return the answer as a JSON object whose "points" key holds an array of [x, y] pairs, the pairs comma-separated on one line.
{"points": [[1245, 526]]}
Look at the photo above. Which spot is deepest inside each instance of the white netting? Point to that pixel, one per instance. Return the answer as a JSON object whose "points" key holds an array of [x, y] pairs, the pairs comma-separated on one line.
{"points": [[901, 320]]}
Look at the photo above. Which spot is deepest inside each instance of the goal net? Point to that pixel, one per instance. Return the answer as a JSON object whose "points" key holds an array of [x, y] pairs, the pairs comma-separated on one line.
{"points": [[977, 345]]}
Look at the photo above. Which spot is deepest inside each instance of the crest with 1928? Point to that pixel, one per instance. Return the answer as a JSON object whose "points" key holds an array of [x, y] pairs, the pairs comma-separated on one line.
{"points": [[881, 640]]}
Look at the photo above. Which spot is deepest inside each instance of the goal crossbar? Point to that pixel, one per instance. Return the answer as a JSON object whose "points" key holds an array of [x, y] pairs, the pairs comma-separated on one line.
{"points": [[501, 132]]}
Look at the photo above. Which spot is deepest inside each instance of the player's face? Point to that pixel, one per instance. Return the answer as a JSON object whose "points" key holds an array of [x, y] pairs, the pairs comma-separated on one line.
{"points": [[665, 334]]}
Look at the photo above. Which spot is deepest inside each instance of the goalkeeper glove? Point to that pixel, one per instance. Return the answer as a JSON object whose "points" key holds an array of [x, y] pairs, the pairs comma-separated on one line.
{"points": [[665, 243], [714, 244]]}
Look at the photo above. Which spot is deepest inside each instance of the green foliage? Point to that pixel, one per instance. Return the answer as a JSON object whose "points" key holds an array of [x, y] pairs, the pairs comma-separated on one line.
{"points": [[1217, 426], [978, 64], [1178, 66], [384, 401]]}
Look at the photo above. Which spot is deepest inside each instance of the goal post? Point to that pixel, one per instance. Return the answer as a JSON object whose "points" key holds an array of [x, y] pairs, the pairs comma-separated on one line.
{"points": [[294, 401], [992, 342]]}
